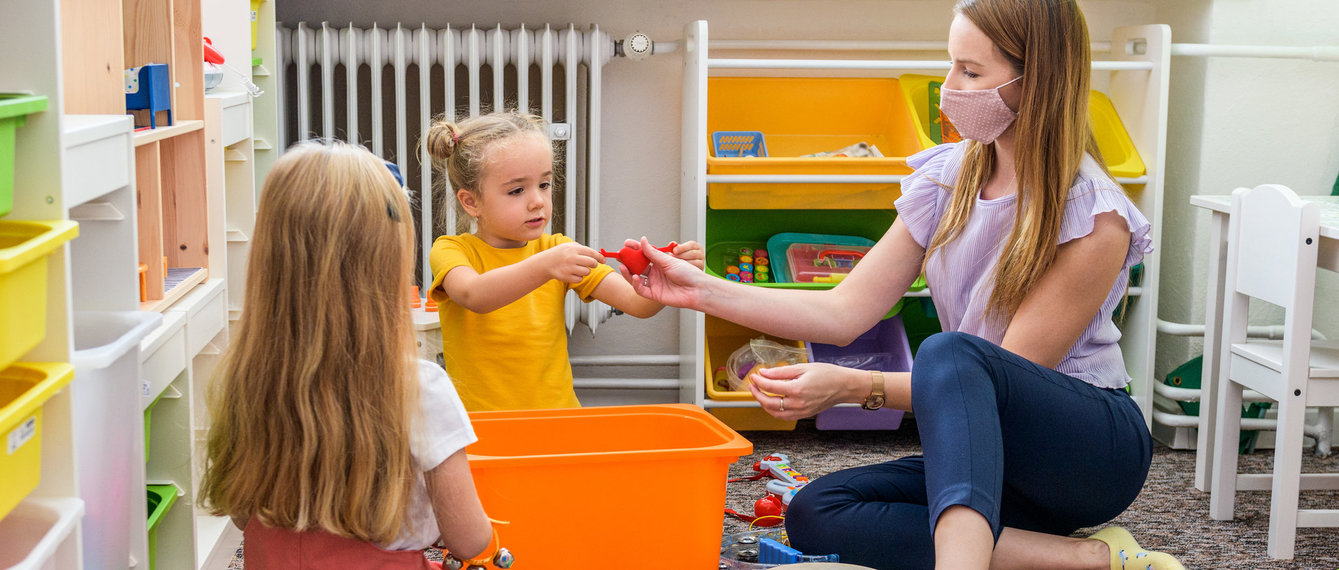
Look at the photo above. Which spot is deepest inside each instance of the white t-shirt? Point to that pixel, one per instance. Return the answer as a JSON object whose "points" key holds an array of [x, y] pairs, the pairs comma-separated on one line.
{"points": [[441, 429]]}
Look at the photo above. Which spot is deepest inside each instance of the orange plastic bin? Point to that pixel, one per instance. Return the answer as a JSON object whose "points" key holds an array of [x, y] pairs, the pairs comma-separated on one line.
{"points": [[617, 486]]}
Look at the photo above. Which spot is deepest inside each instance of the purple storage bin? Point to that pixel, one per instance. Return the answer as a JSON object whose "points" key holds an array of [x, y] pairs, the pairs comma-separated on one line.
{"points": [[884, 348]]}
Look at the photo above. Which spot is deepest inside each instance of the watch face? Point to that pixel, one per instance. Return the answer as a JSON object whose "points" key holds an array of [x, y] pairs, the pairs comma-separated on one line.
{"points": [[873, 403]]}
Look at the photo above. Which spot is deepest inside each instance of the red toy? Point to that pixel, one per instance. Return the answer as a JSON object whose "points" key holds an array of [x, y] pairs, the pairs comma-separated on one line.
{"points": [[783, 481], [634, 259], [212, 55]]}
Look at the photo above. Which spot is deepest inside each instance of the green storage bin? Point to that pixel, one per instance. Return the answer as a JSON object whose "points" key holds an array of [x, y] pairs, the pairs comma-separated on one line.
{"points": [[732, 227], [161, 498], [14, 110], [1190, 375], [755, 227], [148, 416], [921, 320]]}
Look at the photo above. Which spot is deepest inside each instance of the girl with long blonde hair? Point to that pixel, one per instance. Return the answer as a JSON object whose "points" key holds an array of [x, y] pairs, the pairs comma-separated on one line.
{"points": [[1026, 242], [331, 446]]}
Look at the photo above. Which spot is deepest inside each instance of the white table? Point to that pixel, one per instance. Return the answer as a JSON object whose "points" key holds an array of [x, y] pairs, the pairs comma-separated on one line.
{"points": [[1221, 208]]}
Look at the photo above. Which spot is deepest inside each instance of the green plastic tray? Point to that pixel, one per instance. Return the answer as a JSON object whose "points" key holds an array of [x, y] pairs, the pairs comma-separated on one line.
{"points": [[161, 498], [14, 110]]}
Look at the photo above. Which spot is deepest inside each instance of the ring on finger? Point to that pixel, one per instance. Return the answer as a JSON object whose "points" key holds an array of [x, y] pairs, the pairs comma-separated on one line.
{"points": [[783, 403]]}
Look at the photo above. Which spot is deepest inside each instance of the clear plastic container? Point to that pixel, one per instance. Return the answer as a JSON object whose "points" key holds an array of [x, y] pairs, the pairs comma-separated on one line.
{"points": [[822, 262]]}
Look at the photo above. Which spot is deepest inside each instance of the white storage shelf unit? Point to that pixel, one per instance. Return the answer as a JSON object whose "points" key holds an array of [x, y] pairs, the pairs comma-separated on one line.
{"points": [[1133, 74], [79, 160]]}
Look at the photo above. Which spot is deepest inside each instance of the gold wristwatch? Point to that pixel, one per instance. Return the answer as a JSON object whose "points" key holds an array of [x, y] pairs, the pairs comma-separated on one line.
{"points": [[875, 399]]}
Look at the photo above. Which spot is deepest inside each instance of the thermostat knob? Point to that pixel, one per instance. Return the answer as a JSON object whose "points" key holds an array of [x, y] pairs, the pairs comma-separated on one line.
{"points": [[637, 46]]}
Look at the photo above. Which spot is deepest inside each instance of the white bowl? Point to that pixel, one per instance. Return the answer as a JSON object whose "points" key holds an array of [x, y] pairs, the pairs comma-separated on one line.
{"points": [[213, 75]]}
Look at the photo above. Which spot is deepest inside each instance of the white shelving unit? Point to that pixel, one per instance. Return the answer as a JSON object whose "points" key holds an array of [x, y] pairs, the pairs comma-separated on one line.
{"points": [[44, 530], [139, 198], [1134, 75], [268, 118]]}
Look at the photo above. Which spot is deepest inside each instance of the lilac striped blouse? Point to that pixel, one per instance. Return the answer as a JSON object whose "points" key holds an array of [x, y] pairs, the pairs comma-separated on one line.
{"points": [[961, 273]]}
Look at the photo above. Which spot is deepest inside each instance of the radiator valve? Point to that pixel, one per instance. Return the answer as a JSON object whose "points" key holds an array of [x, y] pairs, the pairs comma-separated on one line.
{"points": [[636, 47]]}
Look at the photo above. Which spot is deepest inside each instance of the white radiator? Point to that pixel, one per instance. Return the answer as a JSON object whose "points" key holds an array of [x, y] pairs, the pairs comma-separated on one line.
{"points": [[382, 87]]}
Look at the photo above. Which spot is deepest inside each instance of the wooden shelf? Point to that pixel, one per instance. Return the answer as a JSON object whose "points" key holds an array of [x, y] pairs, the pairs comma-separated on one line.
{"points": [[179, 282], [161, 133]]}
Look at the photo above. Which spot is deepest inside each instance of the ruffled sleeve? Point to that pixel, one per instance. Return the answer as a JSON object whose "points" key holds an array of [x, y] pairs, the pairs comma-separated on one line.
{"points": [[1093, 197], [924, 195]]}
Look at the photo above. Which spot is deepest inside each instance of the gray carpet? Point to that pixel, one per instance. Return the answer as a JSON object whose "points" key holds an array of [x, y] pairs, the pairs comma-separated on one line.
{"points": [[1169, 515]]}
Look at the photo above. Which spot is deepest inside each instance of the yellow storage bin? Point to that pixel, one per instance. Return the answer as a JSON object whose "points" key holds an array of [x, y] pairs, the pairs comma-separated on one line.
{"points": [[1113, 141], [723, 337], [751, 419], [24, 389], [255, 24], [24, 247], [805, 115], [916, 93]]}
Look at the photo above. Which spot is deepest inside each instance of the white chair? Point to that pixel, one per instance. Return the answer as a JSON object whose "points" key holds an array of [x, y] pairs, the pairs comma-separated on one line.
{"points": [[1272, 246]]}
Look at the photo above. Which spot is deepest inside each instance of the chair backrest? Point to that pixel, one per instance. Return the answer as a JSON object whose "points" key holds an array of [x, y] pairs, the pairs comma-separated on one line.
{"points": [[1272, 243]]}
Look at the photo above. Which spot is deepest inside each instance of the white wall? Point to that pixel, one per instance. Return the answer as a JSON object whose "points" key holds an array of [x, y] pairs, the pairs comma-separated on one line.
{"points": [[1243, 122], [1232, 122]]}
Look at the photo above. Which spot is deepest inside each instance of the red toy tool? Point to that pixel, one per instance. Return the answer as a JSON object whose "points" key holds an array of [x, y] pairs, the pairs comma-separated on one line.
{"points": [[212, 55], [634, 259]]}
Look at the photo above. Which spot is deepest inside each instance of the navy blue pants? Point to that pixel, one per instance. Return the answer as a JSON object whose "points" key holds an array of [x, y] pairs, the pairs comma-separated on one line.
{"points": [[1025, 446]]}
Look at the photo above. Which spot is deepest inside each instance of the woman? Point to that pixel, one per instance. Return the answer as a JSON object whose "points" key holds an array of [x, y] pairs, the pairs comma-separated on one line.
{"points": [[1026, 242]]}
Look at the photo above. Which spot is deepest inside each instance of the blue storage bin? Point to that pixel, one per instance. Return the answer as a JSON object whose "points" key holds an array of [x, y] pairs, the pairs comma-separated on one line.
{"points": [[738, 143], [148, 88]]}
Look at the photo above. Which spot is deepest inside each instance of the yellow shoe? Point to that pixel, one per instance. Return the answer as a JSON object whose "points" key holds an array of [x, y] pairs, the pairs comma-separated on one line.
{"points": [[1126, 554]]}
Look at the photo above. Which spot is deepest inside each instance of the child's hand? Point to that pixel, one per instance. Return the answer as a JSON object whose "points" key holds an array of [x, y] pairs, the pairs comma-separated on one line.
{"points": [[689, 251], [570, 262], [693, 253], [670, 280]]}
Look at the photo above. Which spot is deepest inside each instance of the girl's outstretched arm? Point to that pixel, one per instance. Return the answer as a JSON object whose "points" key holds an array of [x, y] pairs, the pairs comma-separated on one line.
{"points": [[835, 316], [465, 529], [491, 290]]}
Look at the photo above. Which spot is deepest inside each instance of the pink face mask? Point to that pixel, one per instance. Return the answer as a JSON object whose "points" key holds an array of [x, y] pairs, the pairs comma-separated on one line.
{"points": [[978, 114]]}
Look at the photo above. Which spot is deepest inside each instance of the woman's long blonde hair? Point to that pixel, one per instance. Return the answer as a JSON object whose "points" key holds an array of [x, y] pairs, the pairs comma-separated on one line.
{"points": [[1047, 43], [311, 405]]}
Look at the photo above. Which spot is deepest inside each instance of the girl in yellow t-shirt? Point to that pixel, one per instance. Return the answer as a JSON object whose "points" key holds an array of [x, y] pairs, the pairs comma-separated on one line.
{"points": [[500, 289]]}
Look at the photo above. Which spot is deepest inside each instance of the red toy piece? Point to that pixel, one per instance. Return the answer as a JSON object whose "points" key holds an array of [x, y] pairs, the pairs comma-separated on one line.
{"points": [[634, 259], [212, 55]]}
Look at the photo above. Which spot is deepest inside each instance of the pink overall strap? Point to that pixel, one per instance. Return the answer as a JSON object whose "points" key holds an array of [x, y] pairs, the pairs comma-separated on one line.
{"points": [[266, 547]]}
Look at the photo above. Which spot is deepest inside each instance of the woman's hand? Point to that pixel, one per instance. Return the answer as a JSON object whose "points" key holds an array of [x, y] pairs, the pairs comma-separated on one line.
{"points": [[802, 390], [670, 280]]}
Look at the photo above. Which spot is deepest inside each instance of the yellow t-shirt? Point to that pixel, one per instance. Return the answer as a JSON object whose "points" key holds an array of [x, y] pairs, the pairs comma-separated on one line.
{"points": [[516, 356]]}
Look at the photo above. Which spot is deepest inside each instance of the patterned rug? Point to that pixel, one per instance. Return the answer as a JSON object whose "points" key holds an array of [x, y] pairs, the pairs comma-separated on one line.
{"points": [[1169, 515]]}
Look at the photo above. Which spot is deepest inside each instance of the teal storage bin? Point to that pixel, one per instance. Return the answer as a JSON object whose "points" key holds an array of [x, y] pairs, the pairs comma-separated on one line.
{"points": [[14, 110]]}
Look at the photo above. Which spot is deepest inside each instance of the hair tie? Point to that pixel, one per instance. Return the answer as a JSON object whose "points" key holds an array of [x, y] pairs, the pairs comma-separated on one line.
{"points": [[455, 138]]}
